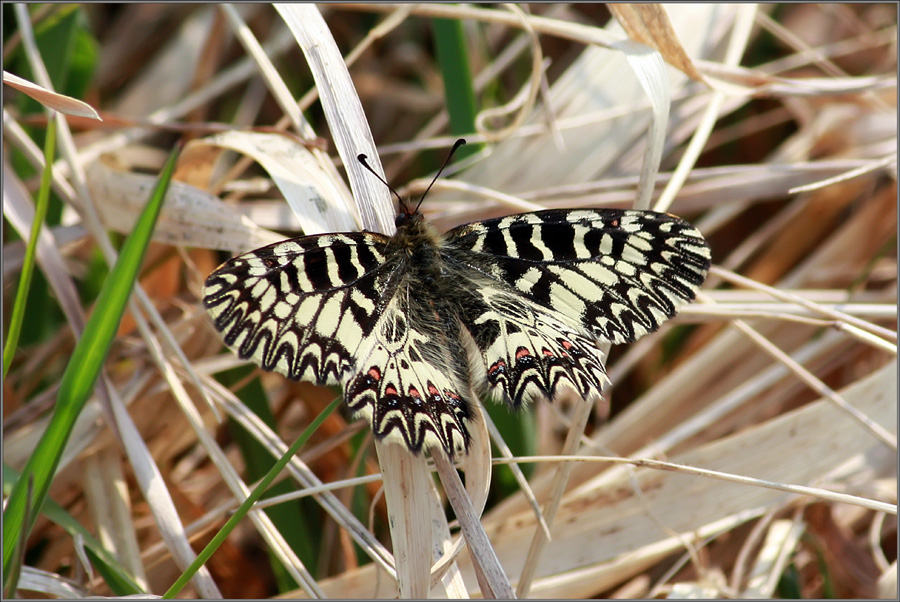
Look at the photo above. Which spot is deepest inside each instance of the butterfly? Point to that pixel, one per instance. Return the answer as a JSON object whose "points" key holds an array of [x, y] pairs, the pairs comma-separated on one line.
{"points": [[415, 326]]}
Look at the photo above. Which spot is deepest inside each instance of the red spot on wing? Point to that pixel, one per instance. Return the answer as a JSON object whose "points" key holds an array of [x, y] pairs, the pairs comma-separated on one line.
{"points": [[413, 392], [432, 390], [496, 367], [546, 351], [390, 390], [375, 373], [567, 345], [522, 352]]}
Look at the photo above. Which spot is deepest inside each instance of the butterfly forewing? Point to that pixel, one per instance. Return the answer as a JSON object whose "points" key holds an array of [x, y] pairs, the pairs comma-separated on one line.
{"points": [[619, 273], [300, 307]]}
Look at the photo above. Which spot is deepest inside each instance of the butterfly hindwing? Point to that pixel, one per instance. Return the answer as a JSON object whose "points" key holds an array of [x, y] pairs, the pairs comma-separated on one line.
{"points": [[526, 352], [619, 273], [410, 383]]}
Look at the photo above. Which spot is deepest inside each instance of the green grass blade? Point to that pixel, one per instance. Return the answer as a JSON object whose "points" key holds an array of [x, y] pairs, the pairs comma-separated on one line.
{"points": [[254, 496], [69, 51], [459, 93], [15, 571], [81, 374], [292, 519], [119, 580], [40, 214]]}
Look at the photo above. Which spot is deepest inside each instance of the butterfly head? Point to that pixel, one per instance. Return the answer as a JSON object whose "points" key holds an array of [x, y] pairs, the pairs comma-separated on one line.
{"points": [[406, 216]]}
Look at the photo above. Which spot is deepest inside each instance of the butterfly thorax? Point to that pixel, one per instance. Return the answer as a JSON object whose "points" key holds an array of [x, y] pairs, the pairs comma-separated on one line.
{"points": [[417, 245]]}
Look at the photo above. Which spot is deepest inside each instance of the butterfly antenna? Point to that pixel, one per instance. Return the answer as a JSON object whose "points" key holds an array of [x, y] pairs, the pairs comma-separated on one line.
{"points": [[456, 145], [364, 161]]}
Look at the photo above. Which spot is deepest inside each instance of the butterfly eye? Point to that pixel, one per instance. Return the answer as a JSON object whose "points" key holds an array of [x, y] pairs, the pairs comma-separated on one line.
{"points": [[400, 219]]}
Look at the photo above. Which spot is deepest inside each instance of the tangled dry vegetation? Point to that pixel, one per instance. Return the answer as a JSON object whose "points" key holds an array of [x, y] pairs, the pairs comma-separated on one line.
{"points": [[760, 423]]}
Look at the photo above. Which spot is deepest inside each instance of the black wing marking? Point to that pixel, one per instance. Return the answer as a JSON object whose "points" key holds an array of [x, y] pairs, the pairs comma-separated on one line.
{"points": [[303, 306], [528, 352], [619, 273]]}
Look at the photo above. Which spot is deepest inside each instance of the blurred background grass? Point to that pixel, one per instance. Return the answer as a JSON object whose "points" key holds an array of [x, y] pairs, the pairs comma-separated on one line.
{"points": [[129, 60]]}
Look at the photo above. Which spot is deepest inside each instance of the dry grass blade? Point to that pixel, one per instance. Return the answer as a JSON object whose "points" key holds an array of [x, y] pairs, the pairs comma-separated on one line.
{"points": [[50, 99], [817, 492], [817, 385], [318, 200], [649, 24], [405, 477], [572, 443], [816, 308], [736, 45], [505, 452], [191, 216], [477, 466], [781, 539], [650, 71], [20, 213], [491, 578], [523, 103], [106, 493], [348, 123], [408, 496]]}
